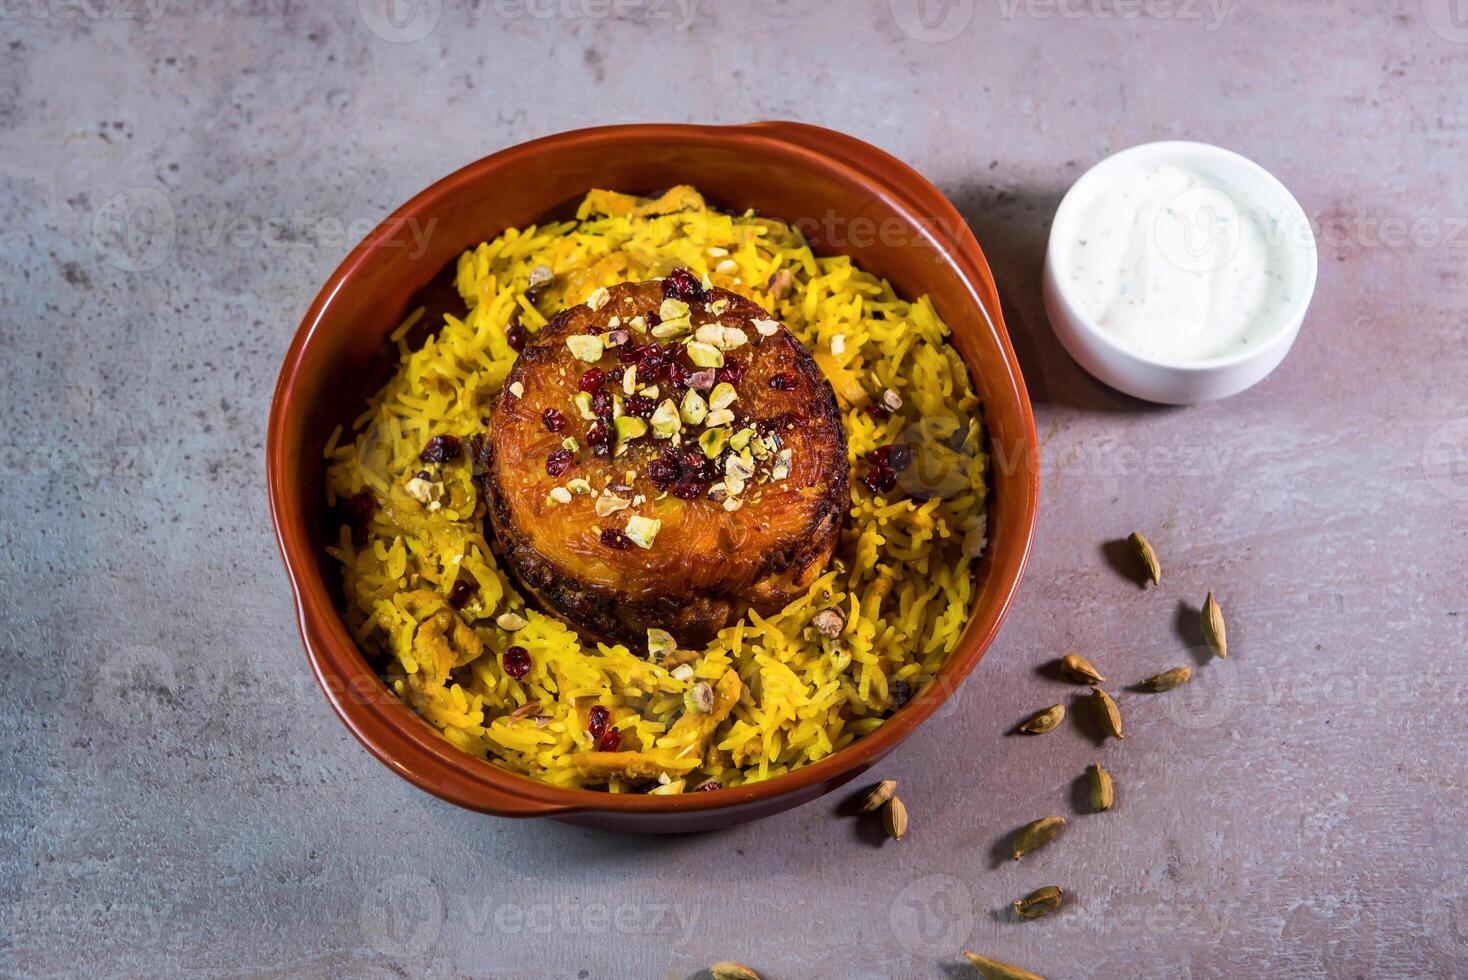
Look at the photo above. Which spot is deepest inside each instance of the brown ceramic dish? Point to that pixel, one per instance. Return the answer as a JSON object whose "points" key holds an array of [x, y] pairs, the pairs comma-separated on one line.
{"points": [[847, 197]]}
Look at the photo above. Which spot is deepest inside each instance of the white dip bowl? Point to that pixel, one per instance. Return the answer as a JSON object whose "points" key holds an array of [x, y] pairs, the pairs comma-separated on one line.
{"points": [[1214, 221]]}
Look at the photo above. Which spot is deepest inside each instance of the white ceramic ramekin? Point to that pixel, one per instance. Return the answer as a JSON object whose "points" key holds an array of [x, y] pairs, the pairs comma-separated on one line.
{"points": [[1181, 382]]}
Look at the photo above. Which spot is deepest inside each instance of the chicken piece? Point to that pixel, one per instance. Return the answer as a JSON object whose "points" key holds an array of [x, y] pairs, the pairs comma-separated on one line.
{"points": [[442, 640], [678, 751], [712, 481]]}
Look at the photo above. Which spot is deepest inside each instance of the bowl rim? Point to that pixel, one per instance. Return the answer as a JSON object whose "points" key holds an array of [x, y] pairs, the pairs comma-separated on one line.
{"points": [[405, 743], [1286, 326]]}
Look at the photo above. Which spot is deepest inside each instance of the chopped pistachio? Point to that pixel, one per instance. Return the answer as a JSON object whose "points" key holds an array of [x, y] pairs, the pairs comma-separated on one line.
{"points": [[660, 643], [560, 495], [610, 503], [517, 389], [672, 309], [722, 396], [583, 405], [719, 417], [642, 530], [705, 355], [665, 420], [740, 439], [712, 442], [578, 485], [629, 379], [571, 444], [781, 469], [721, 336], [671, 328], [767, 328], [598, 298], [510, 622], [629, 427], [586, 347], [699, 699], [694, 409]]}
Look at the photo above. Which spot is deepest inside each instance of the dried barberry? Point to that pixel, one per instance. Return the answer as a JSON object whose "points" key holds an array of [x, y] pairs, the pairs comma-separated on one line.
{"points": [[639, 407], [652, 361], [707, 787], [880, 479], [460, 594], [784, 381], [602, 403], [358, 510], [553, 419], [684, 285], [878, 411], [665, 470], [559, 462], [732, 372], [591, 380], [615, 539], [900, 457], [597, 719], [689, 489], [517, 337], [516, 661], [599, 438], [610, 741], [441, 449]]}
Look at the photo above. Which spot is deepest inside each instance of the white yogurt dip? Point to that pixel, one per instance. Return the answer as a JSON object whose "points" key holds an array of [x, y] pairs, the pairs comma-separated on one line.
{"points": [[1177, 266]]}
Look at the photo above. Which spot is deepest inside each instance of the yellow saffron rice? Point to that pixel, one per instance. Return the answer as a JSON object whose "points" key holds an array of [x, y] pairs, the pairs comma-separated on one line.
{"points": [[902, 577]]}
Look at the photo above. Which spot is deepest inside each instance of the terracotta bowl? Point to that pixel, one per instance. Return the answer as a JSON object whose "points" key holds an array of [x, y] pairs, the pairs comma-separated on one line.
{"points": [[846, 196]]}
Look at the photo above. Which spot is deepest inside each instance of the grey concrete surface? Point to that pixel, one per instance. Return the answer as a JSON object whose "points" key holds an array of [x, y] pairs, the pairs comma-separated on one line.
{"points": [[178, 799]]}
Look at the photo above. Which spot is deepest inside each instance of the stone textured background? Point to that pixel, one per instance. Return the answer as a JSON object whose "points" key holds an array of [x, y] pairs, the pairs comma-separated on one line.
{"points": [[178, 798]]}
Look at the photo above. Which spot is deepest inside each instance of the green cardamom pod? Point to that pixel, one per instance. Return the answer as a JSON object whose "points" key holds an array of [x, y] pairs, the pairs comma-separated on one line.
{"points": [[1213, 630], [1045, 721], [1033, 836]]}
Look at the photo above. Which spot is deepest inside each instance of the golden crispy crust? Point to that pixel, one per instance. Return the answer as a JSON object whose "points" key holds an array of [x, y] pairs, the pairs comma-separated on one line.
{"points": [[707, 565]]}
